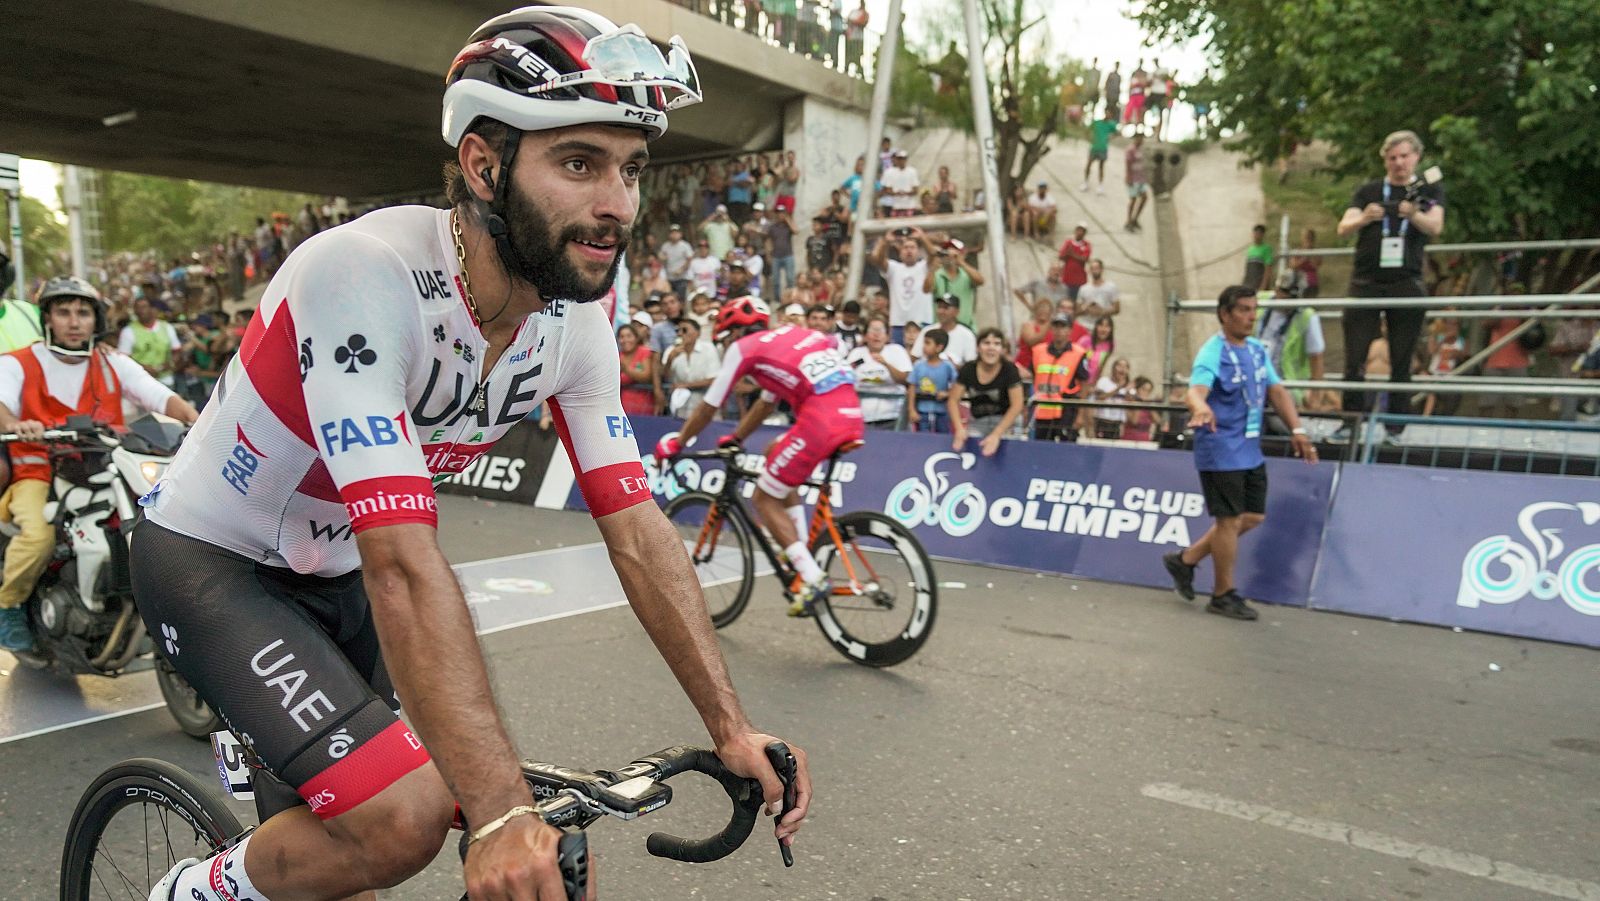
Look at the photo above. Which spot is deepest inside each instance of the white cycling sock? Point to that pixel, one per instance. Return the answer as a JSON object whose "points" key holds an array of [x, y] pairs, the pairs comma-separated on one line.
{"points": [[218, 878], [797, 515], [804, 563]]}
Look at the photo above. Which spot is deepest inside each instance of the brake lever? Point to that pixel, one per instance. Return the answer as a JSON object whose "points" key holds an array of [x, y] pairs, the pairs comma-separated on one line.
{"points": [[783, 762], [572, 856]]}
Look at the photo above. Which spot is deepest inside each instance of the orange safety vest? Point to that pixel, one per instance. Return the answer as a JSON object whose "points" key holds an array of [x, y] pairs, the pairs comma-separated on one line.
{"points": [[101, 399], [1054, 376]]}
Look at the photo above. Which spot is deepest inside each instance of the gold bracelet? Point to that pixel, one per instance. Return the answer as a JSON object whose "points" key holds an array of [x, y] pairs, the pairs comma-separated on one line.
{"points": [[484, 832]]}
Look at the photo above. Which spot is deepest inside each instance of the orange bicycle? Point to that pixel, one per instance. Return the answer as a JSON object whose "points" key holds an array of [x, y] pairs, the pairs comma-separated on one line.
{"points": [[881, 608]]}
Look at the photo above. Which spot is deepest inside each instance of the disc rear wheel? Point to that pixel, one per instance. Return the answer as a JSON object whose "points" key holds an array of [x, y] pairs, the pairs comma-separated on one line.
{"points": [[884, 596]]}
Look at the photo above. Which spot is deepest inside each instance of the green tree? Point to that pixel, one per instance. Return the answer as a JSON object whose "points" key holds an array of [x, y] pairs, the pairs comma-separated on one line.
{"points": [[1024, 84], [176, 216], [44, 241], [1503, 92]]}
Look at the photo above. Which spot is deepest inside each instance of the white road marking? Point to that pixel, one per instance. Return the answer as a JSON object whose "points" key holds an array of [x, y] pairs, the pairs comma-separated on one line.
{"points": [[83, 722], [142, 685], [544, 619], [1463, 862]]}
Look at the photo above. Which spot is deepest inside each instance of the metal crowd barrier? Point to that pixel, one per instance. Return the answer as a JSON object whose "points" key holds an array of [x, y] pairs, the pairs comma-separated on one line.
{"points": [[1457, 381]]}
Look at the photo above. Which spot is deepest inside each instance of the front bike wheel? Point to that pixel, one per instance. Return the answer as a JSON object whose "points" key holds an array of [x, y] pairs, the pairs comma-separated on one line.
{"points": [[719, 546], [134, 824], [884, 596]]}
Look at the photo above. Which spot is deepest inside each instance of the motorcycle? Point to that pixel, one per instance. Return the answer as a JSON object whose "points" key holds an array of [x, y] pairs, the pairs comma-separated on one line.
{"points": [[82, 610]]}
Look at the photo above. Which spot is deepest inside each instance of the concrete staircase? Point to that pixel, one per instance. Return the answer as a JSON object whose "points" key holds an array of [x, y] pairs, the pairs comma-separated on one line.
{"points": [[1212, 210]]}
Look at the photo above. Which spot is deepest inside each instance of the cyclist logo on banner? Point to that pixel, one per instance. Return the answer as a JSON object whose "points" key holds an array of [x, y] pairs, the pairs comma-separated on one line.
{"points": [[1500, 570], [690, 476], [959, 511]]}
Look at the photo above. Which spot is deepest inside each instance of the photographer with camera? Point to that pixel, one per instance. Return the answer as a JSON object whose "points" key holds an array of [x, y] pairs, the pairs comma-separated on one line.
{"points": [[1393, 217]]}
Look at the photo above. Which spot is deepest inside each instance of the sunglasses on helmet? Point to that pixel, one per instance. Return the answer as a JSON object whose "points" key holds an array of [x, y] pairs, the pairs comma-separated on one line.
{"points": [[626, 57]]}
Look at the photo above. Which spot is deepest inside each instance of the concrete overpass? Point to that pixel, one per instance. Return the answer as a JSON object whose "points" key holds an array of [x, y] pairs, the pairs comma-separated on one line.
{"points": [[342, 96]]}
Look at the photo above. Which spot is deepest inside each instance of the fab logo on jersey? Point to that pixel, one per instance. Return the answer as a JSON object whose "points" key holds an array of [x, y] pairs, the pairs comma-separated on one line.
{"points": [[341, 435], [242, 463]]}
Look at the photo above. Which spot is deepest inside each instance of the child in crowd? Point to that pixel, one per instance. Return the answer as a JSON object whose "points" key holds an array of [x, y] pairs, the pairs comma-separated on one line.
{"points": [[1446, 348], [911, 338], [931, 376], [1141, 424]]}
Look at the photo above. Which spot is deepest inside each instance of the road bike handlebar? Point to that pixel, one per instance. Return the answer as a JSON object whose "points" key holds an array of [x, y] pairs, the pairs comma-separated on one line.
{"points": [[744, 794], [64, 436], [577, 798], [728, 454]]}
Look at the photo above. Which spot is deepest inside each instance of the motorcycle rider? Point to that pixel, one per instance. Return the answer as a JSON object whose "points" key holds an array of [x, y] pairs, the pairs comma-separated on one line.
{"points": [[20, 326], [41, 385]]}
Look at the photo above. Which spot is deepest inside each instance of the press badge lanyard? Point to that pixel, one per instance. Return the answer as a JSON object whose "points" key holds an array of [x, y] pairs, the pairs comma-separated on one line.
{"points": [[1255, 391], [1392, 250]]}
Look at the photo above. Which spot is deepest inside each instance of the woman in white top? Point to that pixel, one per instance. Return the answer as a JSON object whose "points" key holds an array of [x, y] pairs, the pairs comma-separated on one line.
{"points": [[1115, 387], [881, 370]]}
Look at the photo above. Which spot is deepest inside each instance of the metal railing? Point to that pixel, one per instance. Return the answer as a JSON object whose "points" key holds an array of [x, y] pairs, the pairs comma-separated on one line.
{"points": [[1470, 306], [1500, 445], [1286, 251], [811, 31]]}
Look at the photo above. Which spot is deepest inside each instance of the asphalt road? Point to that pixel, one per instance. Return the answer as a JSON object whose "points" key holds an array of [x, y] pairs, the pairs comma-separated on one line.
{"points": [[1055, 739]]}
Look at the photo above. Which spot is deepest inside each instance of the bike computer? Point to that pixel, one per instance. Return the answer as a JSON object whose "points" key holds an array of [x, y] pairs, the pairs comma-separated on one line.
{"points": [[633, 797]]}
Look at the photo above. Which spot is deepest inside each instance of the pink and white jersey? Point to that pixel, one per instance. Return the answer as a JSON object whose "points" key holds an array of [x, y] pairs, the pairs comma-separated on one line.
{"points": [[360, 382], [790, 363]]}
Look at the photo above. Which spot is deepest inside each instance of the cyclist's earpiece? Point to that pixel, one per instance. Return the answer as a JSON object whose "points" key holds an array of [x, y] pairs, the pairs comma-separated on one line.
{"points": [[488, 177]]}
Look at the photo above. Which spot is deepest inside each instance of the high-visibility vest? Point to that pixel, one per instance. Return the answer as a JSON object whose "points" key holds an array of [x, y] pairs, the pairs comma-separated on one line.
{"points": [[1054, 376], [101, 399], [152, 347], [19, 325]]}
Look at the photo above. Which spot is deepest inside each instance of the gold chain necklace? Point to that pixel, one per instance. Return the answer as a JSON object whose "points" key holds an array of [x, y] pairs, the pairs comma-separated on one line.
{"points": [[461, 261]]}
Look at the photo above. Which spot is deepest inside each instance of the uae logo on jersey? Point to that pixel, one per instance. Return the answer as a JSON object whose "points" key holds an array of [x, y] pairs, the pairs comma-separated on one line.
{"points": [[356, 353]]}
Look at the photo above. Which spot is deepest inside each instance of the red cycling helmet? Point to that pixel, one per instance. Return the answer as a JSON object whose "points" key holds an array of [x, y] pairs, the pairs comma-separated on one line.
{"points": [[742, 313]]}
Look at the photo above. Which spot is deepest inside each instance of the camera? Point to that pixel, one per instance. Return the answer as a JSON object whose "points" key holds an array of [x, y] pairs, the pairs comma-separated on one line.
{"points": [[1413, 192], [902, 232]]}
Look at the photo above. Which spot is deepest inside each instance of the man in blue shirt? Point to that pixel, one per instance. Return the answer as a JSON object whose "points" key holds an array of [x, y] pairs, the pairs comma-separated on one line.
{"points": [[741, 193], [853, 183], [1229, 387]]}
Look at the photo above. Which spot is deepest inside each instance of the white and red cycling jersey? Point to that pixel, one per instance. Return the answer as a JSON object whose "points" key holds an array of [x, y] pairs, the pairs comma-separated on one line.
{"points": [[361, 381], [804, 369], [790, 363]]}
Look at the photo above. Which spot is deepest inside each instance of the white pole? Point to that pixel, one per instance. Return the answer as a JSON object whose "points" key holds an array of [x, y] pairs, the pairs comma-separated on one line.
{"points": [[982, 117], [73, 194], [1283, 244], [866, 207]]}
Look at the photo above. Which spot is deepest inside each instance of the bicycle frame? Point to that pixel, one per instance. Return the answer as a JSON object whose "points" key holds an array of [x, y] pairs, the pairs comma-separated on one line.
{"points": [[729, 503]]}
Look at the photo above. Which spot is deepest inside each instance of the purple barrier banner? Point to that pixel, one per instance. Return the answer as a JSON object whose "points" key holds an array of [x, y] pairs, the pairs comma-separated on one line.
{"points": [[1494, 552], [1104, 513]]}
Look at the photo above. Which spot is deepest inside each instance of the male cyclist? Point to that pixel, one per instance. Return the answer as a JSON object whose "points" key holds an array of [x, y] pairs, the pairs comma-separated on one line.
{"points": [[41, 385], [392, 351], [804, 369]]}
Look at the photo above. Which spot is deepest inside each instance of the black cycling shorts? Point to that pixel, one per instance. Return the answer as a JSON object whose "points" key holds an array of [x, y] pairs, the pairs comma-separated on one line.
{"points": [[290, 662], [1235, 491]]}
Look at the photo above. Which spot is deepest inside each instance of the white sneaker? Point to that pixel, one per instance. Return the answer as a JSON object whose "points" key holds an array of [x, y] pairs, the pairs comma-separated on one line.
{"points": [[163, 889], [1084, 187]]}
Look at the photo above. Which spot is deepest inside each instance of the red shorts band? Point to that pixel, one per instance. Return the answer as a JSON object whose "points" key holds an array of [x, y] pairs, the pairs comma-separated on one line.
{"points": [[371, 767], [825, 424]]}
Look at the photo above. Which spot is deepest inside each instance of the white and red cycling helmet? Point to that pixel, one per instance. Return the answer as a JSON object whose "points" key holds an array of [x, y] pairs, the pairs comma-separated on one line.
{"points": [[543, 67], [740, 315]]}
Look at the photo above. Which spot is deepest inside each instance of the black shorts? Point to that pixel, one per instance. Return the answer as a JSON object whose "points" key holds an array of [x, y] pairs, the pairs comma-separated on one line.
{"points": [[290, 662], [1235, 491]]}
